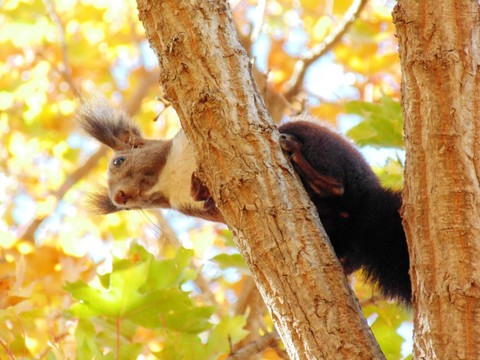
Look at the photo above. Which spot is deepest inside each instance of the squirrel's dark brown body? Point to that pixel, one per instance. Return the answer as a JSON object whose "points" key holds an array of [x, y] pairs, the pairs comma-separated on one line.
{"points": [[360, 217]]}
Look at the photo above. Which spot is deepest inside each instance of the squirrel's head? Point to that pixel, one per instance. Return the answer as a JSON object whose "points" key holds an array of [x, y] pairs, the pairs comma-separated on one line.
{"points": [[142, 173]]}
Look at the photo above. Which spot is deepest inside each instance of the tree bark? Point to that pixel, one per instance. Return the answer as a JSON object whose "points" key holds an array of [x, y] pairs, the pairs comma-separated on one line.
{"points": [[207, 76], [440, 59]]}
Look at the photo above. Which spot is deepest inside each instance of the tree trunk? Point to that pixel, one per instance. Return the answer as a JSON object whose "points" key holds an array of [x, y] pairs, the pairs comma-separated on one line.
{"points": [[207, 76], [440, 58]]}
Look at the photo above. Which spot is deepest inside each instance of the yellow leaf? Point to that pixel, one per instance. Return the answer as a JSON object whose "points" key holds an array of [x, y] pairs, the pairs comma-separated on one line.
{"points": [[93, 33], [310, 4], [22, 149], [202, 239], [321, 28], [60, 149], [327, 112], [46, 206], [67, 107], [11, 5], [7, 239], [55, 178], [25, 247], [6, 100], [72, 231]]}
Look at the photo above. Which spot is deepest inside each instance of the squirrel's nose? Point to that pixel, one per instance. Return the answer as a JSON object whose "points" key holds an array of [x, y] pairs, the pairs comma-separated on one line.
{"points": [[120, 197]]}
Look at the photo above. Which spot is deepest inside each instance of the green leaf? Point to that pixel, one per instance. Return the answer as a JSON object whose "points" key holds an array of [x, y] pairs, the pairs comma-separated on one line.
{"points": [[166, 273], [189, 347], [125, 352], [172, 309], [226, 261], [389, 318], [228, 237], [230, 329], [105, 280], [382, 124], [85, 335], [87, 340], [51, 356], [391, 175], [144, 291], [119, 298], [192, 320], [110, 328], [181, 346]]}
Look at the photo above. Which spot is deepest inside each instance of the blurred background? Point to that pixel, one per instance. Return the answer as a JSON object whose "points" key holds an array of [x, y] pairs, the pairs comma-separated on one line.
{"points": [[157, 284]]}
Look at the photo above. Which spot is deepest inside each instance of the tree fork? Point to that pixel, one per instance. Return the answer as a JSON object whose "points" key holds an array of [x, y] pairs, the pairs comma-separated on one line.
{"points": [[207, 76]]}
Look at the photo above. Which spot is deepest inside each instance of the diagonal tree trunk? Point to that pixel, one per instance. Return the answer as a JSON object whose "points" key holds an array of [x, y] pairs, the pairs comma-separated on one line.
{"points": [[207, 76], [440, 58]]}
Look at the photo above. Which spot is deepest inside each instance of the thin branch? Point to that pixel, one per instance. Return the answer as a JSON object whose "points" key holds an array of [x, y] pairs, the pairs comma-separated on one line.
{"points": [[244, 296], [66, 71], [207, 293], [250, 298], [295, 82], [373, 300], [255, 347], [46, 350], [7, 349], [148, 79], [280, 352], [117, 348], [259, 17]]}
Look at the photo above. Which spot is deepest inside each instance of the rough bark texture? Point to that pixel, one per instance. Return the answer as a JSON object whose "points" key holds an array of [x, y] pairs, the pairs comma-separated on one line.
{"points": [[207, 76], [440, 57]]}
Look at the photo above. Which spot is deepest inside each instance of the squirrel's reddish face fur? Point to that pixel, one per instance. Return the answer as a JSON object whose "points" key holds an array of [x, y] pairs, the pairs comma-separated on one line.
{"points": [[133, 173], [143, 173]]}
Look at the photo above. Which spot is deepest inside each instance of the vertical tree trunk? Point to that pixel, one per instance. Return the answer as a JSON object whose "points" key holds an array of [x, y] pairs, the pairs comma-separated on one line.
{"points": [[207, 76], [440, 59]]}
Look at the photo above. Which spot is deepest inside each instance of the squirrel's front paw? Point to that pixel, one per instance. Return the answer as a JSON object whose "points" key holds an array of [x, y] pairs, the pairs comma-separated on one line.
{"points": [[290, 143], [200, 192]]}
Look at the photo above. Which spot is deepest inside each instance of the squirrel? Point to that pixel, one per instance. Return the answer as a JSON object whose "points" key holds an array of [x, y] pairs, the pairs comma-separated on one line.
{"points": [[360, 217]]}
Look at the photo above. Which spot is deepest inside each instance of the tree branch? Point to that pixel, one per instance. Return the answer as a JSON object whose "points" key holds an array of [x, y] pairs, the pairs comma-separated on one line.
{"points": [[295, 82], [66, 71], [249, 297], [255, 347]]}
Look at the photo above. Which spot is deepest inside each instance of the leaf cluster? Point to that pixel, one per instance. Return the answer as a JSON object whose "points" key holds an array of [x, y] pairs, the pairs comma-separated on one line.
{"points": [[142, 292]]}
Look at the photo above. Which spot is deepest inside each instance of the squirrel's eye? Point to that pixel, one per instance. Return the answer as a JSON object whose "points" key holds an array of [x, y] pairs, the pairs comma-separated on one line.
{"points": [[119, 161]]}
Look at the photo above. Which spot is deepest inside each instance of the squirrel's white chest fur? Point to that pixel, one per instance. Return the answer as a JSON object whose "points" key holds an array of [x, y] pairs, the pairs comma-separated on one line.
{"points": [[175, 178]]}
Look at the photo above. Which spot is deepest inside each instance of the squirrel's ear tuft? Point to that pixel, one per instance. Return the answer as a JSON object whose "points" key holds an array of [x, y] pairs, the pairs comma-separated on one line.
{"points": [[110, 126], [100, 203]]}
